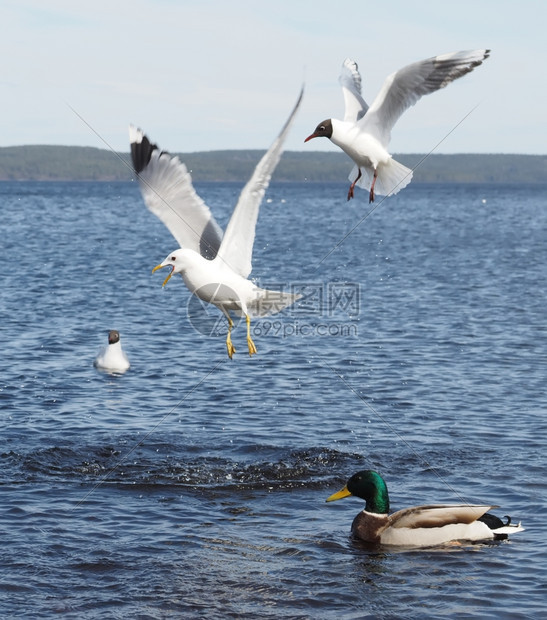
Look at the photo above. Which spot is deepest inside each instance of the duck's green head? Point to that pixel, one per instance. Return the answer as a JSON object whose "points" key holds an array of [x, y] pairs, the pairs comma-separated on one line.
{"points": [[367, 485]]}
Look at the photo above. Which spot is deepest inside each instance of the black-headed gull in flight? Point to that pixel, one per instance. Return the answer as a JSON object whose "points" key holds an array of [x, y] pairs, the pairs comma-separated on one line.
{"points": [[214, 267], [112, 358], [365, 132]]}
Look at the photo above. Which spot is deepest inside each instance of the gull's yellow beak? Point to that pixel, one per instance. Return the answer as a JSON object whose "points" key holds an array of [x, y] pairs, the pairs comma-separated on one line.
{"points": [[339, 495], [160, 266]]}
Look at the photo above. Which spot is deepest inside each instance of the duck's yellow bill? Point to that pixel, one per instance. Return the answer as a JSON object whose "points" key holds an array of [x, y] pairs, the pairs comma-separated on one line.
{"points": [[160, 266], [338, 495]]}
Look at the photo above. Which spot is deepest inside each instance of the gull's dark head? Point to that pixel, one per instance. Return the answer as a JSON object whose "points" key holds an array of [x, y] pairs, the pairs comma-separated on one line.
{"points": [[113, 336], [323, 130]]}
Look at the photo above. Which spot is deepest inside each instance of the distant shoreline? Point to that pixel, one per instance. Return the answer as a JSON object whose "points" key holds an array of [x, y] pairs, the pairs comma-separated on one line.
{"points": [[74, 163]]}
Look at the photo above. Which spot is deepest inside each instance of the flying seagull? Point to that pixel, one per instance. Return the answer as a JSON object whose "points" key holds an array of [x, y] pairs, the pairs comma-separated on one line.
{"points": [[365, 132], [214, 267]]}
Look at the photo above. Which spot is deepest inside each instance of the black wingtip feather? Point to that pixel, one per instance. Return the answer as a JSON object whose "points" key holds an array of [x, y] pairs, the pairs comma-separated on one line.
{"points": [[141, 152]]}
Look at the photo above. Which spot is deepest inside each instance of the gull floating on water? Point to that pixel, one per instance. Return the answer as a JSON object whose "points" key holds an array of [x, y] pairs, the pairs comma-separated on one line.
{"points": [[365, 132], [214, 267], [112, 358]]}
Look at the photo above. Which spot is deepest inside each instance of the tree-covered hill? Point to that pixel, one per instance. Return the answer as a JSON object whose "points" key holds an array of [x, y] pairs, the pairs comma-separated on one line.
{"points": [[56, 163]]}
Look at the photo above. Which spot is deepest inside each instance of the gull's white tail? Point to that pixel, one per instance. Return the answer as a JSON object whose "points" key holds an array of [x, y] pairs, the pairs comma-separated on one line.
{"points": [[392, 177], [268, 302]]}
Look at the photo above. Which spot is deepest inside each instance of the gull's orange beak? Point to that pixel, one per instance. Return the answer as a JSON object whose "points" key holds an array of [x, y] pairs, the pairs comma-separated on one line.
{"points": [[160, 266], [313, 135]]}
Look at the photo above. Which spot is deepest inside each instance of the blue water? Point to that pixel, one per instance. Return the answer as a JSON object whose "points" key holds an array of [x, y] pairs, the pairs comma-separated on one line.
{"points": [[194, 486]]}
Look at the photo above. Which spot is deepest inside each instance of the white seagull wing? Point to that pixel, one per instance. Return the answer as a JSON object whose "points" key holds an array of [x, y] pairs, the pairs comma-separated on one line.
{"points": [[236, 249], [167, 190], [405, 87], [350, 80]]}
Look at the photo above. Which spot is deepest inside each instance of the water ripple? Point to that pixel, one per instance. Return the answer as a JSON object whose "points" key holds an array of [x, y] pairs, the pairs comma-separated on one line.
{"points": [[194, 486]]}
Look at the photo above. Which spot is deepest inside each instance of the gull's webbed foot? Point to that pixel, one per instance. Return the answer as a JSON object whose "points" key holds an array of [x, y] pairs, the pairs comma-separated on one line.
{"points": [[352, 186], [250, 343], [350, 191], [229, 345]]}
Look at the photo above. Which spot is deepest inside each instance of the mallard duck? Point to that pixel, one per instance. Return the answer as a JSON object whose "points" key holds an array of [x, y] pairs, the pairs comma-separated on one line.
{"points": [[112, 358], [420, 526]]}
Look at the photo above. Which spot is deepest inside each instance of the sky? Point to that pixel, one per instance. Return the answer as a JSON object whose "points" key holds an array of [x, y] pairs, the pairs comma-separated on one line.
{"points": [[217, 74]]}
